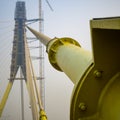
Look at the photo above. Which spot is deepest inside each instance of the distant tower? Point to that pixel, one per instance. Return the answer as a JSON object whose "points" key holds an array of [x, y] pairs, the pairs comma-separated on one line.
{"points": [[18, 51], [41, 54], [21, 59]]}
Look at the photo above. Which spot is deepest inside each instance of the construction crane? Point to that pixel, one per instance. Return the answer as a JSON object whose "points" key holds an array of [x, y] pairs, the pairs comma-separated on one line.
{"points": [[96, 76]]}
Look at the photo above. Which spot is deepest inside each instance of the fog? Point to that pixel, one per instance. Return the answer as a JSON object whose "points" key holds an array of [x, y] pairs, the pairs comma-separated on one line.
{"points": [[69, 19]]}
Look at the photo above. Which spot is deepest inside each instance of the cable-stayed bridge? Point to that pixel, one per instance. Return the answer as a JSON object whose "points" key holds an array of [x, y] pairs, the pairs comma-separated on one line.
{"points": [[54, 85], [21, 66]]}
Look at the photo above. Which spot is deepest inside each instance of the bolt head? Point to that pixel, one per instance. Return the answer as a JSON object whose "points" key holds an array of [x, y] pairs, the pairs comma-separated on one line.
{"points": [[97, 73], [82, 106]]}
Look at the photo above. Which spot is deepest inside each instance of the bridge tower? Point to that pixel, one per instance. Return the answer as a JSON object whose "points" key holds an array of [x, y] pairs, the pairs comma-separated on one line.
{"points": [[21, 60]]}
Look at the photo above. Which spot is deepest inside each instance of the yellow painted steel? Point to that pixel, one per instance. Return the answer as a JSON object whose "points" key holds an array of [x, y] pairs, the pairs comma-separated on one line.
{"points": [[73, 60], [5, 97], [36, 87], [52, 48], [43, 38], [42, 115], [97, 80], [30, 85], [35, 99], [109, 102], [96, 95], [64, 55]]}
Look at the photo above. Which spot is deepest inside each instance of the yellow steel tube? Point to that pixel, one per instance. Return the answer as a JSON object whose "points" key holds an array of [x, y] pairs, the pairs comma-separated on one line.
{"points": [[5, 96], [73, 61], [43, 38], [30, 86], [65, 54], [35, 84]]}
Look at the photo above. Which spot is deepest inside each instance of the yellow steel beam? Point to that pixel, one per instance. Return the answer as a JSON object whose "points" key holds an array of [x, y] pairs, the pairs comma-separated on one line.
{"points": [[36, 87], [30, 85], [5, 96], [35, 97]]}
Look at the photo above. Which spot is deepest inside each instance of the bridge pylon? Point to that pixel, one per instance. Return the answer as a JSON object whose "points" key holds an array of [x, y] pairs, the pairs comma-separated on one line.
{"points": [[21, 59]]}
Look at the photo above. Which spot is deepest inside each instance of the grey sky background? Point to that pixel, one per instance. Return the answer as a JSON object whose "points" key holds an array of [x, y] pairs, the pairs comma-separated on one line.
{"points": [[70, 18]]}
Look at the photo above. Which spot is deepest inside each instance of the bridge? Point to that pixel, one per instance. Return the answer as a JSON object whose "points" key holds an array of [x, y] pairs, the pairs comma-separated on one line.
{"points": [[21, 67], [17, 95]]}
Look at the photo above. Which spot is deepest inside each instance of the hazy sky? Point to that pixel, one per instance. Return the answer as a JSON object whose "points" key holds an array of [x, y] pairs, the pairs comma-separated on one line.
{"points": [[70, 18]]}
